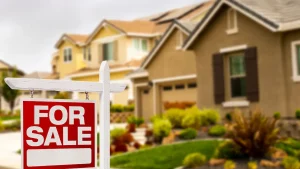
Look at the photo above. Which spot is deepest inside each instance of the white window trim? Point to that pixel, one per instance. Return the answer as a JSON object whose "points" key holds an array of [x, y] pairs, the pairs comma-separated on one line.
{"points": [[296, 76], [68, 61], [243, 103], [233, 48], [235, 29], [179, 46], [140, 41]]}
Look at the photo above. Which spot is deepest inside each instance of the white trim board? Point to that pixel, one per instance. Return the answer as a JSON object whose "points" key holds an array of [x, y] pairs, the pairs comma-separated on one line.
{"points": [[192, 76], [162, 41], [233, 48], [236, 104], [138, 75], [295, 76], [141, 84]]}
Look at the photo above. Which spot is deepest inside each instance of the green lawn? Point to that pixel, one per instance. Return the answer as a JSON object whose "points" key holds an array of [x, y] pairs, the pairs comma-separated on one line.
{"points": [[163, 157]]}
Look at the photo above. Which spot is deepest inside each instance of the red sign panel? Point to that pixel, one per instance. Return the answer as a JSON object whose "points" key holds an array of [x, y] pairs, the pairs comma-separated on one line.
{"points": [[58, 134]]}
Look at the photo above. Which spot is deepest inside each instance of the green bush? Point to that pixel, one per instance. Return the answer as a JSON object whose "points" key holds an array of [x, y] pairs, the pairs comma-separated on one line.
{"points": [[129, 108], [175, 116], [194, 160], [156, 117], [135, 120], [217, 130], [62, 95], [161, 128], [298, 114], [188, 134], [277, 115], [212, 116], [193, 118], [1, 126], [14, 126], [117, 108], [290, 163], [228, 150], [116, 133], [229, 165]]}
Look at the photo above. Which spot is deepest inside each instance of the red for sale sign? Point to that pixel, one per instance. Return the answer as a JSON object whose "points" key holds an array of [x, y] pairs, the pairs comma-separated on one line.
{"points": [[58, 134]]}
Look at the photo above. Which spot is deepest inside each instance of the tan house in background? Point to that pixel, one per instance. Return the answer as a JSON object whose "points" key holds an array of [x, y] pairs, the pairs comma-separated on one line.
{"points": [[168, 74], [248, 56]]}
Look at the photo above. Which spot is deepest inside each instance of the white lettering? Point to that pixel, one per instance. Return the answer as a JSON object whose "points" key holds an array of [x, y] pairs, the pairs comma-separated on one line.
{"points": [[81, 135], [30, 134], [64, 112], [79, 116], [49, 139], [66, 140], [38, 114]]}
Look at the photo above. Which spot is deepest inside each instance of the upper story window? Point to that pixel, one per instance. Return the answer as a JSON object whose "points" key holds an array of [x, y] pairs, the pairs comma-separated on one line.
{"points": [[87, 54], [140, 44], [237, 77], [67, 54], [108, 51], [296, 60], [232, 21]]}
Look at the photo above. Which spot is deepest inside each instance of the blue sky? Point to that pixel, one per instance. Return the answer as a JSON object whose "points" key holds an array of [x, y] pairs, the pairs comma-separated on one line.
{"points": [[30, 28]]}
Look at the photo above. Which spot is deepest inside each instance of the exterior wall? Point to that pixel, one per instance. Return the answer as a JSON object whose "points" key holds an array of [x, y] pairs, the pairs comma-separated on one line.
{"points": [[270, 68], [293, 88], [169, 62], [77, 62]]}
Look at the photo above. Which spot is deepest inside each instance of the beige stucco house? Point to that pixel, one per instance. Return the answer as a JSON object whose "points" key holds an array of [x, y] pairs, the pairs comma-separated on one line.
{"points": [[168, 74], [248, 55]]}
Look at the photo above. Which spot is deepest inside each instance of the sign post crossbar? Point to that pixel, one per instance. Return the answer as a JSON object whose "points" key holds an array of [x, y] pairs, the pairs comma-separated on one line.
{"points": [[104, 87]]}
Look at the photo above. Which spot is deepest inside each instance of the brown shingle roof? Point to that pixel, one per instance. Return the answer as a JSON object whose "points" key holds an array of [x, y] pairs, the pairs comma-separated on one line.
{"points": [[78, 38], [135, 26]]}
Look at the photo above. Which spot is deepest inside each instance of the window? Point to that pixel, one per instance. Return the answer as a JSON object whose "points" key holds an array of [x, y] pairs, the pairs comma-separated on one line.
{"points": [[87, 53], [167, 88], [140, 44], [108, 51], [180, 86], [192, 85], [179, 40], [237, 76], [68, 54], [231, 21], [296, 60]]}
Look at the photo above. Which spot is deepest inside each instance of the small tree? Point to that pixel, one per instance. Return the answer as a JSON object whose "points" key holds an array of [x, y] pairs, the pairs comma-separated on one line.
{"points": [[9, 94]]}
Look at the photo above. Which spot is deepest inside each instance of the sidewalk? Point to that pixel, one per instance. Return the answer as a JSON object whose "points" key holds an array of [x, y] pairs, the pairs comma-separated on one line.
{"points": [[10, 143]]}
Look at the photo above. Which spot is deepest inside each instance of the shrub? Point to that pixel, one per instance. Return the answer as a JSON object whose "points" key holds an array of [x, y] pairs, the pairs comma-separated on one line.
{"points": [[188, 134], [1, 126], [127, 138], [14, 126], [252, 165], [228, 116], [175, 116], [297, 114], [161, 128], [229, 165], [156, 117], [255, 135], [62, 95], [117, 133], [194, 160], [193, 118], [290, 163], [228, 150], [121, 148], [137, 145], [178, 105], [134, 120], [217, 130], [129, 108], [212, 116], [277, 115], [117, 108]]}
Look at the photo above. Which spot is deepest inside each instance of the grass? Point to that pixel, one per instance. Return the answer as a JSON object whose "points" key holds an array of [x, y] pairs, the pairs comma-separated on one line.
{"points": [[164, 157], [290, 146]]}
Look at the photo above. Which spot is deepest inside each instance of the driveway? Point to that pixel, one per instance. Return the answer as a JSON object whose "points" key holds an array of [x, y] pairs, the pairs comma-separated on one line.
{"points": [[10, 143]]}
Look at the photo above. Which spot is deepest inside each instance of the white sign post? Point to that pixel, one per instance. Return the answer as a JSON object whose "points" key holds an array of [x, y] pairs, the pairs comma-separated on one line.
{"points": [[104, 87]]}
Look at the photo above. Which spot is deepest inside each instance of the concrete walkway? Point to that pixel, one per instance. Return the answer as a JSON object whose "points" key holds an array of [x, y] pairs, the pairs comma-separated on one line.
{"points": [[10, 143]]}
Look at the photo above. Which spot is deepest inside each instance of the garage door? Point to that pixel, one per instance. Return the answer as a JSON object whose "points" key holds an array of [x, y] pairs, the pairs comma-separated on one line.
{"points": [[178, 92]]}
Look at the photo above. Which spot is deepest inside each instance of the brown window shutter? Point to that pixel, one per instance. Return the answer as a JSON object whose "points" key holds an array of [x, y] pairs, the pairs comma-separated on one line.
{"points": [[218, 72], [116, 47], [252, 87]]}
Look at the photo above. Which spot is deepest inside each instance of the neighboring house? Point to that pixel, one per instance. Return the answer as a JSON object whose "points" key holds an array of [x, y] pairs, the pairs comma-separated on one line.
{"points": [[39, 93], [248, 56], [168, 74], [5, 67]]}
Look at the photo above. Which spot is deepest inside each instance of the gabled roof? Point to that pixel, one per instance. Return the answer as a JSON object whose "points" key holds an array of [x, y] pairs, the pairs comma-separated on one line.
{"points": [[185, 27], [9, 67], [275, 15], [76, 39], [178, 13], [131, 28]]}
